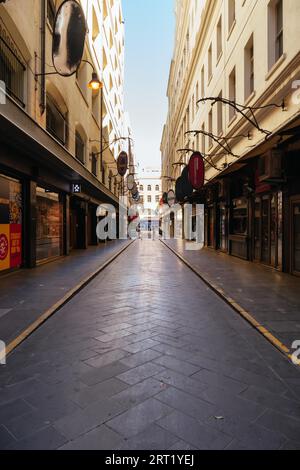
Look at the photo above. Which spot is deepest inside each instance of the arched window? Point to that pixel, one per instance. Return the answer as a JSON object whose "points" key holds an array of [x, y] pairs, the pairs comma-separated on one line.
{"points": [[56, 120]]}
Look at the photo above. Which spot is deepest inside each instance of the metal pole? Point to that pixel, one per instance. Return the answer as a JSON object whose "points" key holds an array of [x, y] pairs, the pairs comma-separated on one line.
{"points": [[101, 134]]}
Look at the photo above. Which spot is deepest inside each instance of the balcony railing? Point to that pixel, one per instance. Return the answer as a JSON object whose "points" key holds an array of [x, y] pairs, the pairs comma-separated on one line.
{"points": [[12, 71]]}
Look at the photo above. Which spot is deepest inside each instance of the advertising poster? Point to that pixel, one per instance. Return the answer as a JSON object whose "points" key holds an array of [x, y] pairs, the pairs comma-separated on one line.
{"points": [[4, 247], [15, 245]]}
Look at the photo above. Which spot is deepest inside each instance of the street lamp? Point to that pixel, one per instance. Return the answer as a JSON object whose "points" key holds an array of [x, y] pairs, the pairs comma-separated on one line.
{"points": [[95, 84]]}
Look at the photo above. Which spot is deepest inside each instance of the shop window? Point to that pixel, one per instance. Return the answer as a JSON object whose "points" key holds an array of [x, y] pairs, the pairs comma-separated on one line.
{"points": [[240, 216], [10, 223], [56, 122], [12, 69], [49, 228]]}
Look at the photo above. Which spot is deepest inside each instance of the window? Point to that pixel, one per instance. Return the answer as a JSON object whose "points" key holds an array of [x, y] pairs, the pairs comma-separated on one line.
{"points": [[156, 198], [51, 12], [210, 127], [219, 39], [275, 31], [240, 216], [56, 122], [149, 187], [94, 164], [220, 115], [232, 93], [12, 69], [202, 82], [149, 199], [141, 187], [83, 79], [203, 143], [210, 62], [157, 187], [231, 15], [79, 147], [249, 68]]}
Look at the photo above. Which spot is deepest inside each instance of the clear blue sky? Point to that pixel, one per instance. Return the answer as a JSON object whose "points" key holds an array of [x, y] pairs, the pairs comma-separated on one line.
{"points": [[149, 34]]}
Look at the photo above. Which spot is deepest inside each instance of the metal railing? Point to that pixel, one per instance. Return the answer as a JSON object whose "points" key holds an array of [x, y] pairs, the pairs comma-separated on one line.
{"points": [[12, 71]]}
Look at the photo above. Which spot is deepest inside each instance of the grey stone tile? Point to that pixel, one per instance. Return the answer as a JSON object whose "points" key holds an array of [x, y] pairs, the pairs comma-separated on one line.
{"points": [[286, 425], [140, 373], [107, 358], [273, 401], [139, 392], [251, 435], [182, 382], [96, 392], [194, 433], [101, 438], [117, 327], [152, 438], [177, 365], [46, 439], [95, 376], [188, 404], [181, 445], [13, 409], [218, 380], [140, 358], [91, 417], [111, 336], [6, 438], [138, 418], [140, 346]]}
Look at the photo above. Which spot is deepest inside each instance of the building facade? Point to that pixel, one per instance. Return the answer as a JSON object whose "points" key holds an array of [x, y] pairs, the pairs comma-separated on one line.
{"points": [[150, 196], [59, 139], [243, 51]]}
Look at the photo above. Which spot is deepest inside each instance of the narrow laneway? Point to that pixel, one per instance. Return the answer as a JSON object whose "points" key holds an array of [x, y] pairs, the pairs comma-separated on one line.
{"points": [[147, 356]]}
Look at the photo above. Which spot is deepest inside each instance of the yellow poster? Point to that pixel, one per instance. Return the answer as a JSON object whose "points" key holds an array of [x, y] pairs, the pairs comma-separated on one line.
{"points": [[4, 247]]}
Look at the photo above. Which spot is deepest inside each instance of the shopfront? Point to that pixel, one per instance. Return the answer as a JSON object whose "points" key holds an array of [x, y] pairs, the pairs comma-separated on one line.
{"points": [[295, 235], [11, 221], [49, 225]]}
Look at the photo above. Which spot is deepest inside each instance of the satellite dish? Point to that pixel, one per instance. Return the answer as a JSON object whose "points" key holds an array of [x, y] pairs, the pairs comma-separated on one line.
{"points": [[69, 34]]}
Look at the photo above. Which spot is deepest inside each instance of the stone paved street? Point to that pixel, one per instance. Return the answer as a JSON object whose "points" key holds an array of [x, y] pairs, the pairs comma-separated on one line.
{"points": [[148, 357]]}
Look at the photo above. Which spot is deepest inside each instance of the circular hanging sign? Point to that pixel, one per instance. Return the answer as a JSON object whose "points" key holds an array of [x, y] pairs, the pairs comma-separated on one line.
{"points": [[171, 198], [186, 185], [122, 163], [68, 39], [196, 170], [134, 188], [130, 182], [136, 196], [179, 189]]}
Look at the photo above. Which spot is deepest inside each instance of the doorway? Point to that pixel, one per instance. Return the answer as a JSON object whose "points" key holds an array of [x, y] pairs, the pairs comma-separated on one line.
{"points": [[295, 235]]}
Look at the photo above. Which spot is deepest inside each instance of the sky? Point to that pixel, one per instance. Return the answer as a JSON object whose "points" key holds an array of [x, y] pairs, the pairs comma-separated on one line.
{"points": [[149, 35]]}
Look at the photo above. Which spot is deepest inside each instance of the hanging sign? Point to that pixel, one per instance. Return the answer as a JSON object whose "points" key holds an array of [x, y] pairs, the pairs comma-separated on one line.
{"points": [[130, 182], [69, 34], [186, 184], [122, 163], [196, 170], [179, 190]]}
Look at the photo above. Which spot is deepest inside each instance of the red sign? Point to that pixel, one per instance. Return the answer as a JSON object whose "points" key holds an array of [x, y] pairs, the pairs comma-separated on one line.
{"points": [[122, 163], [15, 245], [196, 170]]}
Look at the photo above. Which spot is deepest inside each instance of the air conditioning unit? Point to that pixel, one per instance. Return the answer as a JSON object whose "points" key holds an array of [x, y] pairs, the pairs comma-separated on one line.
{"points": [[270, 166]]}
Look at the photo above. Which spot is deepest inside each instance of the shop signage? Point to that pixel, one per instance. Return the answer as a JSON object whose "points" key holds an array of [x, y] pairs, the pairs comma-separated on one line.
{"points": [[179, 189], [130, 182], [69, 34], [76, 188], [186, 184], [122, 163], [196, 170]]}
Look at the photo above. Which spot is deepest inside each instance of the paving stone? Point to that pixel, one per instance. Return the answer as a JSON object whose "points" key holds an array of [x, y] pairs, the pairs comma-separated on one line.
{"points": [[140, 346], [100, 375], [139, 392], [107, 358], [194, 433], [286, 425], [138, 418], [140, 358], [13, 409], [177, 365], [6, 438], [133, 376], [46, 439], [211, 378], [101, 438], [152, 438], [273, 401], [96, 392], [182, 382]]}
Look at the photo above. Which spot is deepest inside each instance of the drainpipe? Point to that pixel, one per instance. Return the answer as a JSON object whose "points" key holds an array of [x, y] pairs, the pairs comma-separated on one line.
{"points": [[43, 57]]}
